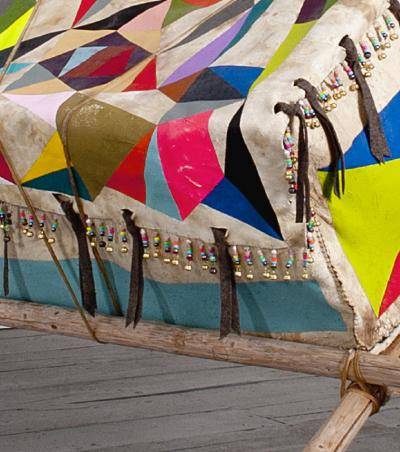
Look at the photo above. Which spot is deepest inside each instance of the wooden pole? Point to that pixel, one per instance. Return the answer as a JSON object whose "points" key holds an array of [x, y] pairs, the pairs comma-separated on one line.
{"points": [[338, 432], [247, 350]]}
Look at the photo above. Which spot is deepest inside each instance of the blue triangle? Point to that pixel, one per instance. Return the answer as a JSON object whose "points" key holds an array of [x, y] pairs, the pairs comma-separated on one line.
{"points": [[240, 77], [228, 199], [158, 194], [16, 67]]}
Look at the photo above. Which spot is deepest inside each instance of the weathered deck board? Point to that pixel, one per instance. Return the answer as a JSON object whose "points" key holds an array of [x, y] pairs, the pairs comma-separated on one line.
{"points": [[68, 394]]}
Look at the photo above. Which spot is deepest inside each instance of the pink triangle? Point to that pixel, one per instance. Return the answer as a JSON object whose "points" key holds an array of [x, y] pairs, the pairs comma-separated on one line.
{"points": [[152, 19], [43, 105], [392, 289], [146, 80], [189, 160], [83, 9], [5, 173]]}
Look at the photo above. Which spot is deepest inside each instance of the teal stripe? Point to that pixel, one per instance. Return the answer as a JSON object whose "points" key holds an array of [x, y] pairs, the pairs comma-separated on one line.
{"points": [[270, 306]]}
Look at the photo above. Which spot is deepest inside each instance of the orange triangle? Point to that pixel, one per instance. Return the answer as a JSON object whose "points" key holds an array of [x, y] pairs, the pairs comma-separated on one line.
{"points": [[146, 80], [176, 90]]}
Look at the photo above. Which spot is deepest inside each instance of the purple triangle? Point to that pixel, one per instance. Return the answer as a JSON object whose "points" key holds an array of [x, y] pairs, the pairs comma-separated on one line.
{"points": [[79, 83], [113, 39], [137, 56], [56, 64]]}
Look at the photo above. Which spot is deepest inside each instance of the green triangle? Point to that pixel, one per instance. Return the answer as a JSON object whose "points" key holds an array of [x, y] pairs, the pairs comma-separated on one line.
{"points": [[178, 9], [59, 182]]}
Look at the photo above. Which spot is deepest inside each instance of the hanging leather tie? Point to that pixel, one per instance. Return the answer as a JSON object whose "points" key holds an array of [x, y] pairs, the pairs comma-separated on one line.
{"points": [[377, 140], [337, 159], [303, 203], [6, 286], [230, 320], [395, 8], [135, 304], [86, 280]]}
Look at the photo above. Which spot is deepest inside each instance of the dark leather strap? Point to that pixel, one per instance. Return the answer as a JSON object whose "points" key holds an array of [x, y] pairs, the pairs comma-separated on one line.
{"points": [[135, 303], [303, 201], [377, 140], [88, 291], [230, 320], [335, 147]]}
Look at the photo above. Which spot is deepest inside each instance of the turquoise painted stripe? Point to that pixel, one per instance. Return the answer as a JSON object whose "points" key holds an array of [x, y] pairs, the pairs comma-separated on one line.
{"points": [[270, 306]]}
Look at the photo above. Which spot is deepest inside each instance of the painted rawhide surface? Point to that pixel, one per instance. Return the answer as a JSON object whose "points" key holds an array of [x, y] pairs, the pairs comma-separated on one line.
{"points": [[167, 108]]}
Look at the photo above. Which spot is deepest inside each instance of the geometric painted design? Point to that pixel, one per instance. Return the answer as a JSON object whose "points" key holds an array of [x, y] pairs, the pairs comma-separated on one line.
{"points": [[52, 159], [206, 56], [169, 164], [180, 8], [158, 193], [120, 18], [129, 177], [239, 77], [59, 182], [13, 19], [228, 199], [209, 86], [242, 172], [392, 292], [5, 173], [96, 63], [191, 172], [370, 241], [99, 146], [45, 106], [310, 12], [146, 80], [367, 217], [88, 8]]}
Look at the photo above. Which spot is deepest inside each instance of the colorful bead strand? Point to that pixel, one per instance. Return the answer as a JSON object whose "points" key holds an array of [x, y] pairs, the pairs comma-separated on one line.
{"points": [[189, 255], [145, 243], [123, 236], [203, 256], [167, 246], [175, 251], [110, 240]]}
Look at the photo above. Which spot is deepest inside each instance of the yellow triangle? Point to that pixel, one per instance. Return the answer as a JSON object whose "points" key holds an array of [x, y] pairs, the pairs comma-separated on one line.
{"points": [[367, 223], [52, 159], [148, 39], [10, 36]]}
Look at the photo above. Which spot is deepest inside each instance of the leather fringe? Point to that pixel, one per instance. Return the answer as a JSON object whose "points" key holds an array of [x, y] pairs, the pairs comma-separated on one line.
{"points": [[135, 304], [86, 280], [230, 320], [377, 140], [395, 8], [303, 201], [6, 285], [337, 158]]}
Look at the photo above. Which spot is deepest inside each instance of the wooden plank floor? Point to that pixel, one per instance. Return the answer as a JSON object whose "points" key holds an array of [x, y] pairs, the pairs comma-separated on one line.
{"points": [[64, 394]]}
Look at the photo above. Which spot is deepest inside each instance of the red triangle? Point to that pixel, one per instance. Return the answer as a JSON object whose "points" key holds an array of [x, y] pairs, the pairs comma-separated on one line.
{"points": [[114, 66], [146, 80], [129, 177], [392, 289], [5, 172], [83, 9]]}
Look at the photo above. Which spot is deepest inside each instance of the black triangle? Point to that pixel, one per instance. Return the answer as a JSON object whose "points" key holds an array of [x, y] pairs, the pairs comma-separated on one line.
{"points": [[120, 18], [208, 86], [241, 170]]}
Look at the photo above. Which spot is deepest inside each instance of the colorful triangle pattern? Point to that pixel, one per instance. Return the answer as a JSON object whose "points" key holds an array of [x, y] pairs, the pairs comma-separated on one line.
{"points": [[150, 163]]}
